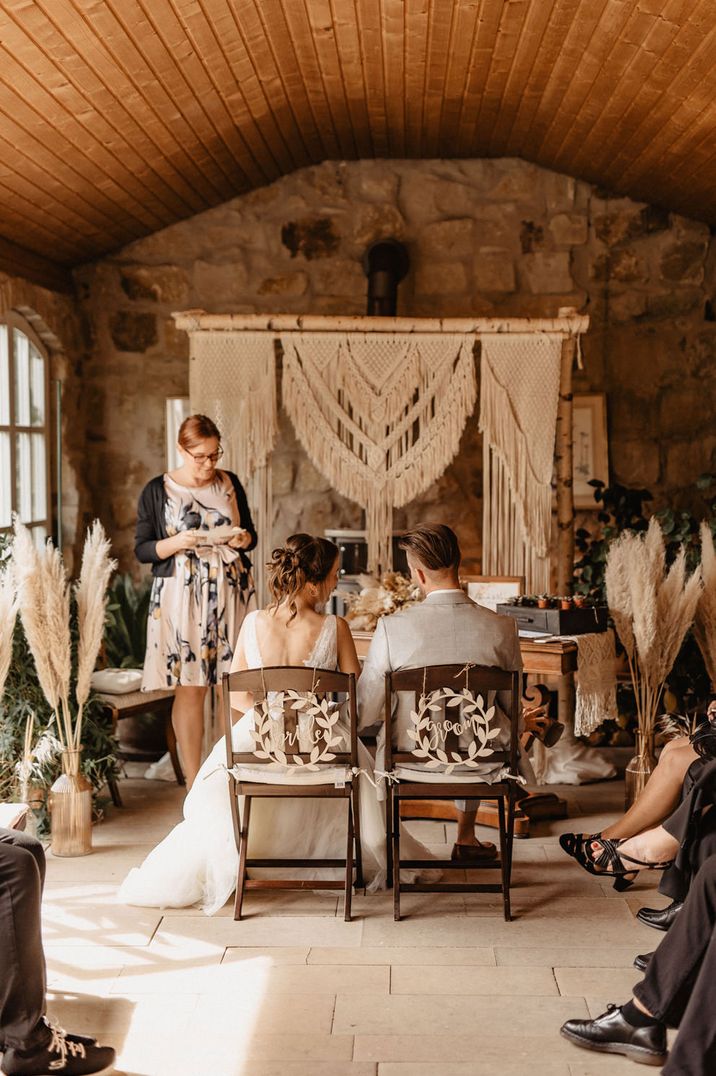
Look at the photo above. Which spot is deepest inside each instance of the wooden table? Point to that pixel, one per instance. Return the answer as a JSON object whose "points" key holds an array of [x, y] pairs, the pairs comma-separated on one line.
{"points": [[144, 702]]}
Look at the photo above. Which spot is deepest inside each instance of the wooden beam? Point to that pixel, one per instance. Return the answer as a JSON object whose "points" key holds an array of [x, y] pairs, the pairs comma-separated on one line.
{"points": [[197, 320], [17, 261]]}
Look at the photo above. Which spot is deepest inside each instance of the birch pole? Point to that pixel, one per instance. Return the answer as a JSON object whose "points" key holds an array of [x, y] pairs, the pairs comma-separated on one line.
{"points": [[563, 457]]}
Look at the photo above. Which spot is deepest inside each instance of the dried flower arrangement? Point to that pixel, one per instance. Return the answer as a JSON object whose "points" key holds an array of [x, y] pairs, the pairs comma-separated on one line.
{"points": [[652, 607], [380, 597], [705, 620]]}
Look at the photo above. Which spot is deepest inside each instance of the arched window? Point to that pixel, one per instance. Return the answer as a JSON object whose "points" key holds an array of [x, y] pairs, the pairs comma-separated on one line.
{"points": [[24, 428]]}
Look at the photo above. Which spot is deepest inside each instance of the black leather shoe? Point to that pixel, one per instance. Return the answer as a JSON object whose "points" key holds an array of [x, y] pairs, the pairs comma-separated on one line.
{"points": [[610, 1033], [641, 963], [660, 918]]}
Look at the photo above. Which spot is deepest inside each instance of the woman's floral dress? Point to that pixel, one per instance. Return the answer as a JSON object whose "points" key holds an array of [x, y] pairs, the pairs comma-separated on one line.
{"points": [[195, 614]]}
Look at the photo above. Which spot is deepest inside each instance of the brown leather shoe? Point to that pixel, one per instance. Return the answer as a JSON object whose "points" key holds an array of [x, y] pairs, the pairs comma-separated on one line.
{"points": [[473, 853]]}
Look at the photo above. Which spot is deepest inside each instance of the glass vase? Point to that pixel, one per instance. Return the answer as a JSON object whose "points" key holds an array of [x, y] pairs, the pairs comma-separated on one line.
{"points": [[71, 809], [639, 769]]}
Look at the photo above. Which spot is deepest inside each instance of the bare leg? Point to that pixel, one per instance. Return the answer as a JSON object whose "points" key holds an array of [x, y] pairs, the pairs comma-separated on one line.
{"points": [[188, 721], [661, 794], [466, 829]]}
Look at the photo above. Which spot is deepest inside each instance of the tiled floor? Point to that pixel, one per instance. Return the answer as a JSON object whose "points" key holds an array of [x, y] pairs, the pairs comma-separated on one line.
{"points": [[452, 990]]}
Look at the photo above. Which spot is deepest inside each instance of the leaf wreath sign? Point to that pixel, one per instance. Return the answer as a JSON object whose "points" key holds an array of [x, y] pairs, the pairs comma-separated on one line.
{"points": [[313, 731], [431, 736]]}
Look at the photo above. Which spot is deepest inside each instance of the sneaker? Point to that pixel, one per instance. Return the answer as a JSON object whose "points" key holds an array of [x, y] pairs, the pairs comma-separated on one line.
{"points": [[64, 1054], [86, 1040]]}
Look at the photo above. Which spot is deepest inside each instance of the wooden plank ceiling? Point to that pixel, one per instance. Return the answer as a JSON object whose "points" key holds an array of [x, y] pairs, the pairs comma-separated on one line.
{"points": [[118, 117]]}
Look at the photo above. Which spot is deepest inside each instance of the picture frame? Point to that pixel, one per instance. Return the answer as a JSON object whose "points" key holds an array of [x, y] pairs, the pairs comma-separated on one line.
{"points": [[591, 446], [489, 591], [177, 409]]}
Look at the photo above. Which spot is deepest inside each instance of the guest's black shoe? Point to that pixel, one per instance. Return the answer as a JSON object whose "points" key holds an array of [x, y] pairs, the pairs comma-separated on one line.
{"points": [[74, 1036], [610, 1033], [641, 963], [660, 918], [62, 1054]]}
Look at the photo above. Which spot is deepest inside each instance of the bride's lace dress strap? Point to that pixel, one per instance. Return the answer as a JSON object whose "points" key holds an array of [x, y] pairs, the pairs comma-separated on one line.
{"points": [[325, 649]]}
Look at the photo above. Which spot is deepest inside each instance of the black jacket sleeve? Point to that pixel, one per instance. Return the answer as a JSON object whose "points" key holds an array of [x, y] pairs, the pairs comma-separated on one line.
{"points": [[146, 534], [245, 519]]}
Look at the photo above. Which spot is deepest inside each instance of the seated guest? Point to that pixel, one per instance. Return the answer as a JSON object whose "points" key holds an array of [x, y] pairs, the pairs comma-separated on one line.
{"points": [[446, 628], [31, 1044], [678, 990]]}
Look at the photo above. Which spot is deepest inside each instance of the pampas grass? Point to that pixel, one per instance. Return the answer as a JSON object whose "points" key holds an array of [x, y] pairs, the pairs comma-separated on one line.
{"points": [[91, 597], [705, 621], [652, 607], [8, 613]]}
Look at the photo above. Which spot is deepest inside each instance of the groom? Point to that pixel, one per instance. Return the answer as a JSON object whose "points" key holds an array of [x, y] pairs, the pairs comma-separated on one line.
{"points": [[446, 628]]}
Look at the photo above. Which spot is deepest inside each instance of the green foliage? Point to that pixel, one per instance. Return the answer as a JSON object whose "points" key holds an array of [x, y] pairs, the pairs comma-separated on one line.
{"points": [[125, 636]]}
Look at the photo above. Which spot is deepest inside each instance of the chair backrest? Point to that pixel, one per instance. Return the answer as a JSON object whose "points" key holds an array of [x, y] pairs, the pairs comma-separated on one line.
{"points": [[453, 718], [296, 717]]}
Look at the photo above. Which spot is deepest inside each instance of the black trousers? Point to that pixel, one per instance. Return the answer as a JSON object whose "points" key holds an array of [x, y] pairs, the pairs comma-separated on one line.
{"points": [[680, 983], [22, 960]]}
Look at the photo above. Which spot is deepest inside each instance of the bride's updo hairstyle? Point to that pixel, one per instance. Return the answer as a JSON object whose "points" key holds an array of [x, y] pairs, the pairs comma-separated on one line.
{"points": [[303, 559]]}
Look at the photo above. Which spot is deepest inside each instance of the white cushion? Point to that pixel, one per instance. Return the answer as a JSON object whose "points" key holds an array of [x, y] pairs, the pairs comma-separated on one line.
{"points": [[293, 775], [435, 777], [116, 681]]}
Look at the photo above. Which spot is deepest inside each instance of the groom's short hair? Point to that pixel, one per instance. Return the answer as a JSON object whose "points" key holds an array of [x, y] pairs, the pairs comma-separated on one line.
{"points": [[433, 545]]}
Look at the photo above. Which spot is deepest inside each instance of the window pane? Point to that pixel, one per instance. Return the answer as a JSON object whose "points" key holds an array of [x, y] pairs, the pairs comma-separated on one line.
{"points": [[39, 477], [39, 535], [37, 387], [5, 481], [22, 378], [23, 475], [4, 379]]}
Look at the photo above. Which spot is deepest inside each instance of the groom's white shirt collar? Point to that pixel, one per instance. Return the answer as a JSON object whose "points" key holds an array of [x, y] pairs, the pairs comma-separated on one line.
{"points": [[456, 593]]}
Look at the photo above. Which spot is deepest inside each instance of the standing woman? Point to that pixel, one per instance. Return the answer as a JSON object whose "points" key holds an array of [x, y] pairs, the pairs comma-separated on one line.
{"points": [[202, 586]]}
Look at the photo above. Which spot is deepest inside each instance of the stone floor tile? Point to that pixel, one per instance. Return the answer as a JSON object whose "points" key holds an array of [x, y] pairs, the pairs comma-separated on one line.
{"points": [[107, 863], [276, 903], [574, 957], [635, 901], [263, 930], [299, 1048], [258, 1013], [257, 975], [603, 1065], [618, 929], [461, 1048], [275, 954], [506, 1066], [111, 1018], [94, 921], [402, 956], [579, 982], [438, 1015], [431, 979], [298, 1068]]}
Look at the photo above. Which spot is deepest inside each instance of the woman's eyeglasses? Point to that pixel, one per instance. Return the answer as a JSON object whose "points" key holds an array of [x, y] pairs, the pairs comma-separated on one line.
{"points": [[203, 459]]}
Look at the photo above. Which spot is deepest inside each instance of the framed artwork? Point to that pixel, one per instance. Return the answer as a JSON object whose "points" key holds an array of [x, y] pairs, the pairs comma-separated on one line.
{"points": [[591, 454], [492, 590], [178, 408]]}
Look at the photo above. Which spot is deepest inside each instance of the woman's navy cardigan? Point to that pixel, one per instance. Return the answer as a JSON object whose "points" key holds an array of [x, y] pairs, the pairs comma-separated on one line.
{"points": [[151, 525]]}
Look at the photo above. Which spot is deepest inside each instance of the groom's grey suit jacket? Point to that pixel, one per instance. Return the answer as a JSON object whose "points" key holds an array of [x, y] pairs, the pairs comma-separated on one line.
{"points": [[446, 628]]}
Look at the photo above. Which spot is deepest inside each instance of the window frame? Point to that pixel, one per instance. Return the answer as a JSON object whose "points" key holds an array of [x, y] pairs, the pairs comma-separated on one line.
{"points": [[14, 321]]}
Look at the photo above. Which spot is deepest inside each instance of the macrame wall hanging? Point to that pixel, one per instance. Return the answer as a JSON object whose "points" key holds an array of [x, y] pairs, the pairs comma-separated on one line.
{"points": [[379, 414], [519, 394], [232, 379]]}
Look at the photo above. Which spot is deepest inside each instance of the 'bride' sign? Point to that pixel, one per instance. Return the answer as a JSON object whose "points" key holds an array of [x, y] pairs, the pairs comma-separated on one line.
{"points": [[314, 730]]}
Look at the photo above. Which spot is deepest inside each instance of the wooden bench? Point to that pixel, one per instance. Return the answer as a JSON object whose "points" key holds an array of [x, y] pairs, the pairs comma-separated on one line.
{"points": [[143, 702]]}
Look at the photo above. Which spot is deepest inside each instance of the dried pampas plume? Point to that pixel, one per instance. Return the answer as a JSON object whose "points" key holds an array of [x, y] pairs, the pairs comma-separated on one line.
{"points": [[705, 622], [33, 613], [8, 613], [91, 597]]}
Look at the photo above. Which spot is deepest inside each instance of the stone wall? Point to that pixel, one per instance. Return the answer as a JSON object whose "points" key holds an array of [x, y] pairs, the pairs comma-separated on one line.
{"points": [[56, 320], [485, 237]]}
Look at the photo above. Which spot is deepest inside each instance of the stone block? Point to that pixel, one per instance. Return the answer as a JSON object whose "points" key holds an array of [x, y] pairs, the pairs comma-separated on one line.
{"points": [[373, 183], [455, 199], [686, 460], [176, 341], [216, 283], [443, 278], [291, 284], [313, 237], [133, 332], [669, 304], [340, 277], [569, 229], [547, 273], [156, 283], [531, 236], [371, 222], [683, 263], [625, 306], [493, 270], [283, 473], [683, 407], [622, 266], [560, 191], [448, 239]]}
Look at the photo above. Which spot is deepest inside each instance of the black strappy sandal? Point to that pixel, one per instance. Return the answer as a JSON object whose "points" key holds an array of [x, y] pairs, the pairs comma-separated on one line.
{"points": [[610, 862]]}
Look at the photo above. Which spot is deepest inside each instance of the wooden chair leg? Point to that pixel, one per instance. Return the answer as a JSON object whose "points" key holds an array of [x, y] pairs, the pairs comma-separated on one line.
{"points": [[389, 835], [504, 861], [360, 884], [172, 748], [349, 863], [243, 849], [114, 793], [396, 858], [510, 836]]}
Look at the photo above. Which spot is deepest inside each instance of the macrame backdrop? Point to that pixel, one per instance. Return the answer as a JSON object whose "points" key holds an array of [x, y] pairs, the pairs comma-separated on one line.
{"points": [[379, 414], [519, 394], [232, 379]]}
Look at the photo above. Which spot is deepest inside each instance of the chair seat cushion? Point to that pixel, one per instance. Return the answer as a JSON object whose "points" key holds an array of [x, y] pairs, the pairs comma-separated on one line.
{"points": [[437, 777], [293, 775]]}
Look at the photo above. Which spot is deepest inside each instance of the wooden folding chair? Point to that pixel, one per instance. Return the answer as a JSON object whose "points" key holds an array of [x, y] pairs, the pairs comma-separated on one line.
{"points": [[294, 712], [438, 758]]}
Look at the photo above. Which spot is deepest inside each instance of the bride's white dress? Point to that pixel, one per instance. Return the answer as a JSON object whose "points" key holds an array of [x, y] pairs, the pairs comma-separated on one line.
{"points": [[198, 860]]}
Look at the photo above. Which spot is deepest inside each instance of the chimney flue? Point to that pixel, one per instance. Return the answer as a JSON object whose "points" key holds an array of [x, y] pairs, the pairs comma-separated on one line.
{"points": [[385, 263]]}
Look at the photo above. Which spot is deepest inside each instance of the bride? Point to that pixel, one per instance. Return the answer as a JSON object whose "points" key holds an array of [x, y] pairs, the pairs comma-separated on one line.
{"points": [[198, 860]]}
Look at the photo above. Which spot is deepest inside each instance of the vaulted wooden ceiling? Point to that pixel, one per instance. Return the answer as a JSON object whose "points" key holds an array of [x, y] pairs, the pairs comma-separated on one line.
{"points": [[118, 117]]}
